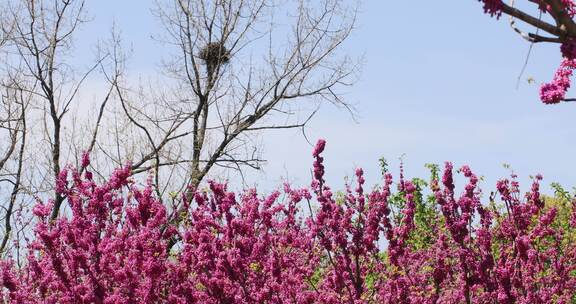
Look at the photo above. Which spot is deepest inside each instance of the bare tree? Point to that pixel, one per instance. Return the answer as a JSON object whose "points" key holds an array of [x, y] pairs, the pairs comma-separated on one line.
{"points": [[42, 38], [13, 105], [41, 35], [231, 77]]}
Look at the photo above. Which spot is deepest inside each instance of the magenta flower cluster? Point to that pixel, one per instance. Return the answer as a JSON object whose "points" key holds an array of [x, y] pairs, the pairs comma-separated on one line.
{"points": [[295, 245], [493, 7], [555, 91]]}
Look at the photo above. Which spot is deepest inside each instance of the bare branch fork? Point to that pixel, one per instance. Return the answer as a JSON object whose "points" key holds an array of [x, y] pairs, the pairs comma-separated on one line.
{"points": [[563, 29]]}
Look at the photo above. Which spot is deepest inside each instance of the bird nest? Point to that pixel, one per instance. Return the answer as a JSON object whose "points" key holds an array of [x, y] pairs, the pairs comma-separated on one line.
{"points": [[214, 53]]}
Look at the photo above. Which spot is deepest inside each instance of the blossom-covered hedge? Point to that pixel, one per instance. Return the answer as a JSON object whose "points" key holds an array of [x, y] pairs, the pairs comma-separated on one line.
{"points": [[396, 243]]}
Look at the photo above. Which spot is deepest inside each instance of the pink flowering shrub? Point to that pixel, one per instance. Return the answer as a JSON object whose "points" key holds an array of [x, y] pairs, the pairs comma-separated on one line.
{"points": [[113, 248], [244, 250], [298, 245], [110, 249]]}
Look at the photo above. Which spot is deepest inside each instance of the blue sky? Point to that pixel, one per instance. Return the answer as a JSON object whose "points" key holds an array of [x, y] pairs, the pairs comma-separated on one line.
{"points": [[438, 83]]}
